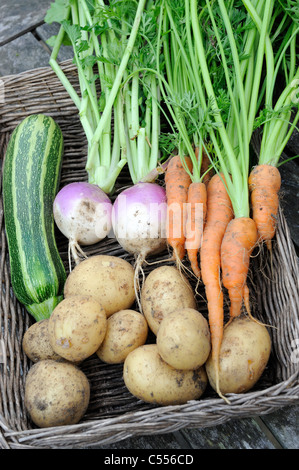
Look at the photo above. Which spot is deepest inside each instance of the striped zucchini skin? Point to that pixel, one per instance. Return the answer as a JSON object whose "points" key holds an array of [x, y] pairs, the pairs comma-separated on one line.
{"points": [[31, 176]]}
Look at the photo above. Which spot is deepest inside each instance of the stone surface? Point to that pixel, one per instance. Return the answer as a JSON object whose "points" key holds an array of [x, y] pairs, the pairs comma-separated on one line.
{"points": [[24, 53], [45, 31], [19, 16]]}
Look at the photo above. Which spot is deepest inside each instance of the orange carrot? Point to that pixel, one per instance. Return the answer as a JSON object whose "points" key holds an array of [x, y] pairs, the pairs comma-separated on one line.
{"points": [[264, 184], [219, 214], [177, 182], [238, 242], [196, 215]]}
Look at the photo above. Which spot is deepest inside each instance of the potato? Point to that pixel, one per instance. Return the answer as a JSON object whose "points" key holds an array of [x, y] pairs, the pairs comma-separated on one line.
{"points": [[77, 327], [183, 339], [152, 380], [244, 353], [165, 289], [109, 279], [126, 330], [36, 343], [56, 393]]}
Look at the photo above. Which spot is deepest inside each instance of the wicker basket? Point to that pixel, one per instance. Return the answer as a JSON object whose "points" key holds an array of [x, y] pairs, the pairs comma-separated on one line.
{"points": [[114, 414]]}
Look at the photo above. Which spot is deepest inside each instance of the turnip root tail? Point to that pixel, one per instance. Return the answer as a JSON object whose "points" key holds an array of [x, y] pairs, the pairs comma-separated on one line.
{"points": [[182, 268], [139, 270], [217, 386], [75, 253]]}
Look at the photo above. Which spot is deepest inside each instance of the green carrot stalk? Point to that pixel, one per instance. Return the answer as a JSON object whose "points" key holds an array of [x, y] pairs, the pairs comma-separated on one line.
{"points": [[277, 128]]}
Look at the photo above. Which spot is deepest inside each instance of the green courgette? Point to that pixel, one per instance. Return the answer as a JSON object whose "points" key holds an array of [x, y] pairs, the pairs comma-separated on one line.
{"points": [[31, 176]]}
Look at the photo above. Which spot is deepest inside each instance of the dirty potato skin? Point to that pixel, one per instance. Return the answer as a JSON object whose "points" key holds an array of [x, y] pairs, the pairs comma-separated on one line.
{"points": [[36, 343], [183, 339], [56, 393], [152, 380], [126, 330], [165, 289], [77, 327], [109, 279], [244, 354]]}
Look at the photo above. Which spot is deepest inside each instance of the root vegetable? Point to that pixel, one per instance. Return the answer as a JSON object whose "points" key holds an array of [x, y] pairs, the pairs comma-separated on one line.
{"points": [[82, 212], [36, 343], [197, 200], [219, 214], [244, 354], [56, 393], [139, 223], [238, 242], [165, 290], [108, 279], [177, 182], [152, 380], [126, 330], [77, 327], [183, 339], [264, 184]]}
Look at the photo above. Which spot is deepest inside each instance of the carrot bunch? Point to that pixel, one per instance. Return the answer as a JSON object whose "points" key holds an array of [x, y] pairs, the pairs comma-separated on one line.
{"points": [[217, 243], [219, 215], [239, 203], [177, 182], [187, 172], [186, 204], [197, 209]]}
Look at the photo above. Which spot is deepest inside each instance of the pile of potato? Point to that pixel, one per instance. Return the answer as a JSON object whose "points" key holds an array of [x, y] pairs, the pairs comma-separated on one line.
{"points": [[96, 317], [170, 371]]}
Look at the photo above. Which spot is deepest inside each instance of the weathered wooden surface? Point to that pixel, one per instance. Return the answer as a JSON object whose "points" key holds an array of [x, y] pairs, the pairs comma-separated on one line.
{"points": [[284, 426], [23, 47]]}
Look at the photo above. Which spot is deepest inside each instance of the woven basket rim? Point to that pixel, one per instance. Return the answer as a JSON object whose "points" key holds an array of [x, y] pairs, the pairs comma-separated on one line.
{"points": [[165, 419]]}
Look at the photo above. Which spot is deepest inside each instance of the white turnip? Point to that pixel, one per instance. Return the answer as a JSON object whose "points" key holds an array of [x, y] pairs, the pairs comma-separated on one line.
{"points": [[82, 212], [139, 219]]}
